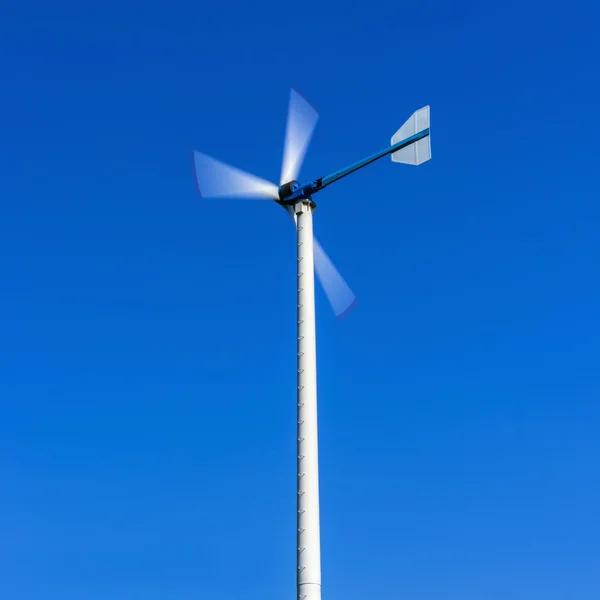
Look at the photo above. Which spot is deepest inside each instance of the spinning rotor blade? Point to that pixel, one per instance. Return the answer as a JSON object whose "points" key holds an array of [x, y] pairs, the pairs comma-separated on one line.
{"points": [[302, 118], [217, 179], [338, 292]]}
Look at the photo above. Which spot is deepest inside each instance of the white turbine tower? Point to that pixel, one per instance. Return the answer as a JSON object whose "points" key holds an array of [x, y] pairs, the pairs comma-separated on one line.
{"points": [[410, 145]]}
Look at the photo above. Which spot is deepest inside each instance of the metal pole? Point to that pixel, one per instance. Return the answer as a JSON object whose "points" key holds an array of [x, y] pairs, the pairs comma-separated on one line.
{"points": [[308, 537]]}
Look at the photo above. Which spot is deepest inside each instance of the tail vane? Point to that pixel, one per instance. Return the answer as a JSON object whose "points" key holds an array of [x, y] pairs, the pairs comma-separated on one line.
{"points": [[420, 151]]}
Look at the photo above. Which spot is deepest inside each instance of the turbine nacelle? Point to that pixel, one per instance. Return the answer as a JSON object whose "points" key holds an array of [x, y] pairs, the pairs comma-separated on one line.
{"points": [[292, 192], [286, 190]]}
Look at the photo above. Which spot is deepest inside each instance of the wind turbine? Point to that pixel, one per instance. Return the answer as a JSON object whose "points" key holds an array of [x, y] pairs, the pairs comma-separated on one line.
{"points": [[410, 145]]}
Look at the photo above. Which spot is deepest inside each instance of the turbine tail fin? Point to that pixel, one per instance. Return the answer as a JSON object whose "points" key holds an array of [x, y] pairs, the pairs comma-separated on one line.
{"points": [[420, 151]]}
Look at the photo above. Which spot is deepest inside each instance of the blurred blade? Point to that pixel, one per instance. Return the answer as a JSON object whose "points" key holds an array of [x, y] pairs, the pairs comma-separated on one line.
{"points": [[302, 118], [338, 293], [214, 178]]}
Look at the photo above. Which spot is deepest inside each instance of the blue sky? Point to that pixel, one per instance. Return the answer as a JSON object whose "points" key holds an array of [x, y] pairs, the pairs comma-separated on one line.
{"points": [[147, 353]]}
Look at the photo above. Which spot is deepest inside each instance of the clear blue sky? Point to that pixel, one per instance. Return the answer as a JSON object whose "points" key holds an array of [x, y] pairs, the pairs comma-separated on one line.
{"points": [[147, 349]]}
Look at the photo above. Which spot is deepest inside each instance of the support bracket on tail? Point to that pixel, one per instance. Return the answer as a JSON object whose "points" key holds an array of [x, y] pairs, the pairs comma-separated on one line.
{"points": [[410, 145]]}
